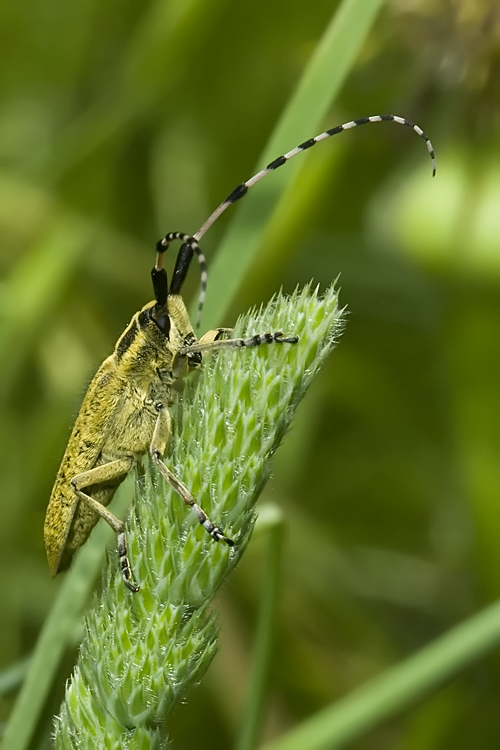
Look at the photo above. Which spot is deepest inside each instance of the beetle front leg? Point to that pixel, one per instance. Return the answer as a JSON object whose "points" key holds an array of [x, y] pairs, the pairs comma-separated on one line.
{"points": [[207, 344], [181, 365], [158, 445], [107, 473], [215, 335]]}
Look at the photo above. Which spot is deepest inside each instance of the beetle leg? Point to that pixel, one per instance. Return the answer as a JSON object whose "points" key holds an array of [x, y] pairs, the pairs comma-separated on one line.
{"points": [[208, 345], [108, 473], [215, 335], [158, 444]]}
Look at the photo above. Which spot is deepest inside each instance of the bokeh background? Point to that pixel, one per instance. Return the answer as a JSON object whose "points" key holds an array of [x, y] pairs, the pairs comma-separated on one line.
{"points": [[120, 121]]}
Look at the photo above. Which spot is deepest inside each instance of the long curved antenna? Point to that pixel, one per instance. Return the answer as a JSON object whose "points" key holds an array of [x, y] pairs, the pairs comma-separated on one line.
{"points": [[184, 256], [242, 189], [191, 243]]}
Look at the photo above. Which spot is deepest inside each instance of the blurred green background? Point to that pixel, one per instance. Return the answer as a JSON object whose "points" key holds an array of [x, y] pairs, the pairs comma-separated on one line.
{"points": [[120, 121]]}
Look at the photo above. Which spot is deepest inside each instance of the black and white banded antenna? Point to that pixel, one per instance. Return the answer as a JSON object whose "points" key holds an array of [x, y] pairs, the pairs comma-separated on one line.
{"points": [[190, 244]]}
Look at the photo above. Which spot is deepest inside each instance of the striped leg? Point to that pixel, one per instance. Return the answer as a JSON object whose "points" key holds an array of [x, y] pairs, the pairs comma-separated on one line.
{"points": [[257, 340], [215, 335], [114, 471], [158, 444]]}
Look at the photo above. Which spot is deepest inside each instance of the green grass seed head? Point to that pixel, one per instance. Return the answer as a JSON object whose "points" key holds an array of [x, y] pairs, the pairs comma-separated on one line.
{"points": [[142, 652]]}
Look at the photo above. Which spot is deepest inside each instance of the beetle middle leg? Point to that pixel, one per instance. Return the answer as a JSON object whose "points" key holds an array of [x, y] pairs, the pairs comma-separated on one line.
{"points": [[158, 445], [114, 470]]}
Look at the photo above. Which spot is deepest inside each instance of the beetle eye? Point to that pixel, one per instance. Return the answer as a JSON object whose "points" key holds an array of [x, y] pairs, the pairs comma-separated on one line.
{"points": [[163, 323]]}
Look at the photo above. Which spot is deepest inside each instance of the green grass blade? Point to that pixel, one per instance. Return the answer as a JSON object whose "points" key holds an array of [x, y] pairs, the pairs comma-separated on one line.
{"points": [[166, 34], [320, 83], [34, 289], [397, 688], [13, 675], [66, 612], [272, 518]]}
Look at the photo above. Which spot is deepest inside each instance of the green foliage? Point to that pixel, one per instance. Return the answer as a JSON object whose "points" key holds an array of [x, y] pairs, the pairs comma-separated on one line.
{"points": [[121, 121]]}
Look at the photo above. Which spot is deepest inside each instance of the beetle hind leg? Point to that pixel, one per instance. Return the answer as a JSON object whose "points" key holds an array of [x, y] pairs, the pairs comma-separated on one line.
{"points": [[106, 473]]}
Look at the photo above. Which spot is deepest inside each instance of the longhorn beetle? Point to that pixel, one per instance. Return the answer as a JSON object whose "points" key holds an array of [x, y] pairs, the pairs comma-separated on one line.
{"points": [[125, 412]]}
